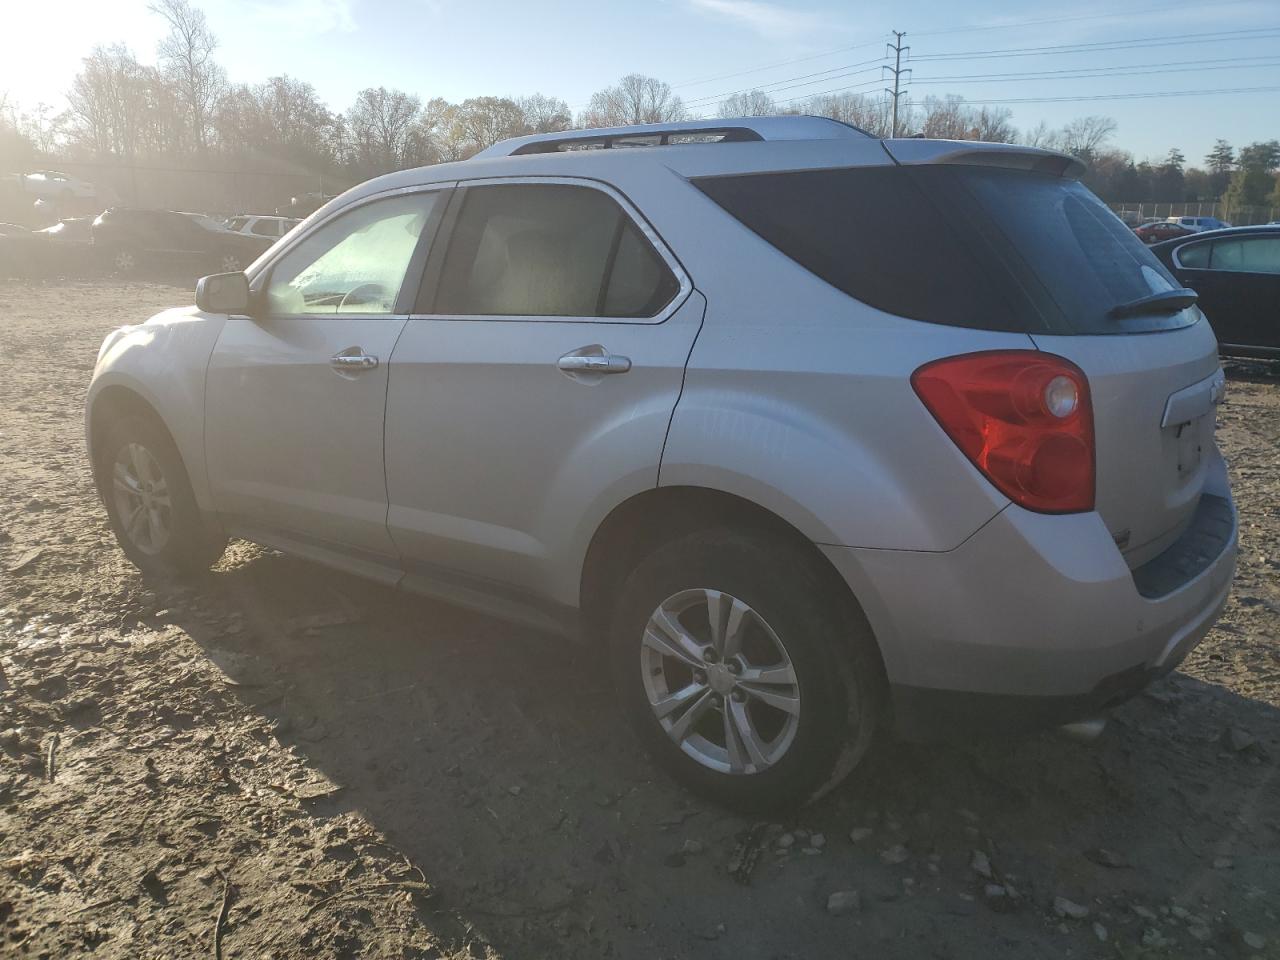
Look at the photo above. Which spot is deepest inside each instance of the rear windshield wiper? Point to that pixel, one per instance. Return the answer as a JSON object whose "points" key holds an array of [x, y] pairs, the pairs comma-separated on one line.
{"points": [[1167, 301]]}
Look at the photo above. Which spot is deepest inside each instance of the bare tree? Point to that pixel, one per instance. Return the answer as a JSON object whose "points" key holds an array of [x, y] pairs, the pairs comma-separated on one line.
{"points": [[635, 99], [867, 113], [992, 125], [943, 118], [108, 101], [186, 59], [1085, 136], [752, 103], [15, 147], [1042, 135], [43, 127], [950, 118], [281, 117], [543, 114], [383, 124], [486, 120]]}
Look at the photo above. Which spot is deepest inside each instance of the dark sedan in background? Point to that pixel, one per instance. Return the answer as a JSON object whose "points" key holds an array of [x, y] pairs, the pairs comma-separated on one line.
{"points": [[1236, 273], [129, 240]]}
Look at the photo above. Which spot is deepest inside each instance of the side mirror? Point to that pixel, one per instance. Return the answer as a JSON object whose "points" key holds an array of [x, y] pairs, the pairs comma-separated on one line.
{"points": [[223, 293]]}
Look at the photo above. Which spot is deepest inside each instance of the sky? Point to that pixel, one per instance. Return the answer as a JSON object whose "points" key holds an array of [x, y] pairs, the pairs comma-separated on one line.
{"points": [[708, 48]]}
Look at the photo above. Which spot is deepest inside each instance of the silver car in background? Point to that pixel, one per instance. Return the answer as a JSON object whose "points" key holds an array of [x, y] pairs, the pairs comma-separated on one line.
{"points": [[822, 435]]}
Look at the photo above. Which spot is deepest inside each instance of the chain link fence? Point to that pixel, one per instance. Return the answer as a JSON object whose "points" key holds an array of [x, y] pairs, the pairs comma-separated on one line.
{"points": [[1134, 213]]}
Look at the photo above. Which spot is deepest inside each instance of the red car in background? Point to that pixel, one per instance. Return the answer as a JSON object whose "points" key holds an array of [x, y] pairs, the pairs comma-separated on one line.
{"points": [[1159, 230]]}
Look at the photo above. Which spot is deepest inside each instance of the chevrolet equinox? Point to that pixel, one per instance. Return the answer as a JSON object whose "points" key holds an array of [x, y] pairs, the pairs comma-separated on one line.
{"points": [[822, 435]]}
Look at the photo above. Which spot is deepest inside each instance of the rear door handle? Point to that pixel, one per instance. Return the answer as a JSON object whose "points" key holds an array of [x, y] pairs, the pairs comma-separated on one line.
{"points": [[352, 360]]}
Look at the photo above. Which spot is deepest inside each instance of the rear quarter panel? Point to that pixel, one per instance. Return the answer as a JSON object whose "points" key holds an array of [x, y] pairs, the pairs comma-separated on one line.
{"points": [[798, 398]]}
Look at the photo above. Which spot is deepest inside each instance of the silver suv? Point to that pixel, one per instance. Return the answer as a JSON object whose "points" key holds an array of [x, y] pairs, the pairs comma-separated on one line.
{"points": [[823, 435]]}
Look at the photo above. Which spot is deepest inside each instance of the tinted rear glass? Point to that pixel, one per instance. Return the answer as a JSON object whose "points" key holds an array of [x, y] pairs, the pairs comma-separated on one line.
{"points": [[968, 246]]}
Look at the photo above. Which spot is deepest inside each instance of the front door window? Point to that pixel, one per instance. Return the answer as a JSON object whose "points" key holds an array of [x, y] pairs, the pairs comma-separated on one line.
{"points": [[355, 264]]}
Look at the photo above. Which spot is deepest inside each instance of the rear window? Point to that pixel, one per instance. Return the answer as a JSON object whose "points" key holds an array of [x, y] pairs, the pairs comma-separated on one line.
{"points": [[968, 246]]}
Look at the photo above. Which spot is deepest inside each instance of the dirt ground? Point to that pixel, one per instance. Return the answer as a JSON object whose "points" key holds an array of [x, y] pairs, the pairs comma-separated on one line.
{"points": [[281, 761]]}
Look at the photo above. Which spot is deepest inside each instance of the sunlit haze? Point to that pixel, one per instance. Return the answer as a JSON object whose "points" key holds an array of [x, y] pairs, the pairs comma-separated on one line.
{"points": [[568, 49]]}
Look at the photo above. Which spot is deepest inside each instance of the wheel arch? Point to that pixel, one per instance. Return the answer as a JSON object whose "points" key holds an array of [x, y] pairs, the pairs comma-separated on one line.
{"points": [[108, 405], [648, 519]]}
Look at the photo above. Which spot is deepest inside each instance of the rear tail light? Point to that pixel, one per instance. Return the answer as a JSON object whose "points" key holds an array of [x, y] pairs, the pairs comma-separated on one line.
{"points": [[1023, 418]]}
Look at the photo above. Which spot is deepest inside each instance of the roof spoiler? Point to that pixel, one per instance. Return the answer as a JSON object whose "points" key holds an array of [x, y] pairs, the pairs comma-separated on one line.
{"points": [[979, 154]]}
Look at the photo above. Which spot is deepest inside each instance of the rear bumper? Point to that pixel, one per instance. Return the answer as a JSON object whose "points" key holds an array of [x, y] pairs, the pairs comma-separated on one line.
{"points": [[1036, 620]]}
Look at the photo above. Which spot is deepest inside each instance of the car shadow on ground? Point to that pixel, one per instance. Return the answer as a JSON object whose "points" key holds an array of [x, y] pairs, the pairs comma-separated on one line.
{"points": [[494, 758]]}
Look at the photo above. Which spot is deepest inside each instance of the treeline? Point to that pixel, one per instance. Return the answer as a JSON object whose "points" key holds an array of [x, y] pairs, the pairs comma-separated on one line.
{"points": [[183, 110], [1240, 179]]}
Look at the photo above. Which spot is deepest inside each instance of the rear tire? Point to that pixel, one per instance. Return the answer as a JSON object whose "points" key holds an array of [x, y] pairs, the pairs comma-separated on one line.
{"points": [[773, 719], [124, 260], [149, 502]]}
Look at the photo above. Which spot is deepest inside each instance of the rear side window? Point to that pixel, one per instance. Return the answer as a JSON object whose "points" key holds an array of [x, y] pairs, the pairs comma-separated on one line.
{"points": [[872, 233], [968, 246], [1246, 255], [543, 250]]}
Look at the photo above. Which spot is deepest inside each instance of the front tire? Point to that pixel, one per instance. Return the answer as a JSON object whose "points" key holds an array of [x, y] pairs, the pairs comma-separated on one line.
{"points": [[739, 672], [149, 502]]}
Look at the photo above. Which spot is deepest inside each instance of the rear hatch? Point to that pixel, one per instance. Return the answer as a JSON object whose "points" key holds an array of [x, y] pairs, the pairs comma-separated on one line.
{"points": [[1089, 290], [1004, 238]]}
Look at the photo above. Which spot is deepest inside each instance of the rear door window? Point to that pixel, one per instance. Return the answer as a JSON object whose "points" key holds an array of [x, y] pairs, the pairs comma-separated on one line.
{"points": [[549, 250], [1246, 255], [1195, 256], [968, 246]]}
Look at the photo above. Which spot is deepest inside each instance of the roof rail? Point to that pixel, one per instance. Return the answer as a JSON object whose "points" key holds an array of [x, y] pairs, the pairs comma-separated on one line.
{"points": [[735, 130]]}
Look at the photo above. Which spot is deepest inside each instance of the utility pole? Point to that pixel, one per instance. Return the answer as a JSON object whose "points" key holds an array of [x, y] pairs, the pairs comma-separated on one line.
{"points": [[897, 70]]}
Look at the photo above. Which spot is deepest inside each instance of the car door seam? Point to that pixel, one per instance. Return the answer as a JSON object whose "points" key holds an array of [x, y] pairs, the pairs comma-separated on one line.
{"points": [[684, 376]]}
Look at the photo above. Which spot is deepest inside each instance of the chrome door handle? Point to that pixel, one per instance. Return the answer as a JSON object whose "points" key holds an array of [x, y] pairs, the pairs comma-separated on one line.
{"points": [[594, 363], [352, 360]]}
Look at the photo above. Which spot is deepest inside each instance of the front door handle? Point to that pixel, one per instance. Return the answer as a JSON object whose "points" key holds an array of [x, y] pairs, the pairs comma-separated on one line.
{"points": [[352, 360], [593, 359]]}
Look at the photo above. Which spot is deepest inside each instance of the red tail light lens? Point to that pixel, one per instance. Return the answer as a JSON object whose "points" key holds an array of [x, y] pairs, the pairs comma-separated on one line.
{"points": [[1025, 420]]}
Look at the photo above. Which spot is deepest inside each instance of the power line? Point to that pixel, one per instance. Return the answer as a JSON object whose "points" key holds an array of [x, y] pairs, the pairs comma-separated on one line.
{"points": [[765, 86], [1164, 9], [1160, 8], [1106, 46], [824, 93], [1087, 73], [776, 63], [1223, 91], [1098, 47]]}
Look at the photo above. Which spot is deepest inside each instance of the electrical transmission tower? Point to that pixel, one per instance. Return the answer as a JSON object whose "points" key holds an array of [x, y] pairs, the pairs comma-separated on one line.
{"points": [[898, 70]]}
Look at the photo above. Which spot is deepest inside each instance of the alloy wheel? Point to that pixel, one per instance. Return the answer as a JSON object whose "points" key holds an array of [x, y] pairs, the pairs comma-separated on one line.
{"points": [[230, 263], [124, 260], [720, 682], [142, 498]]}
